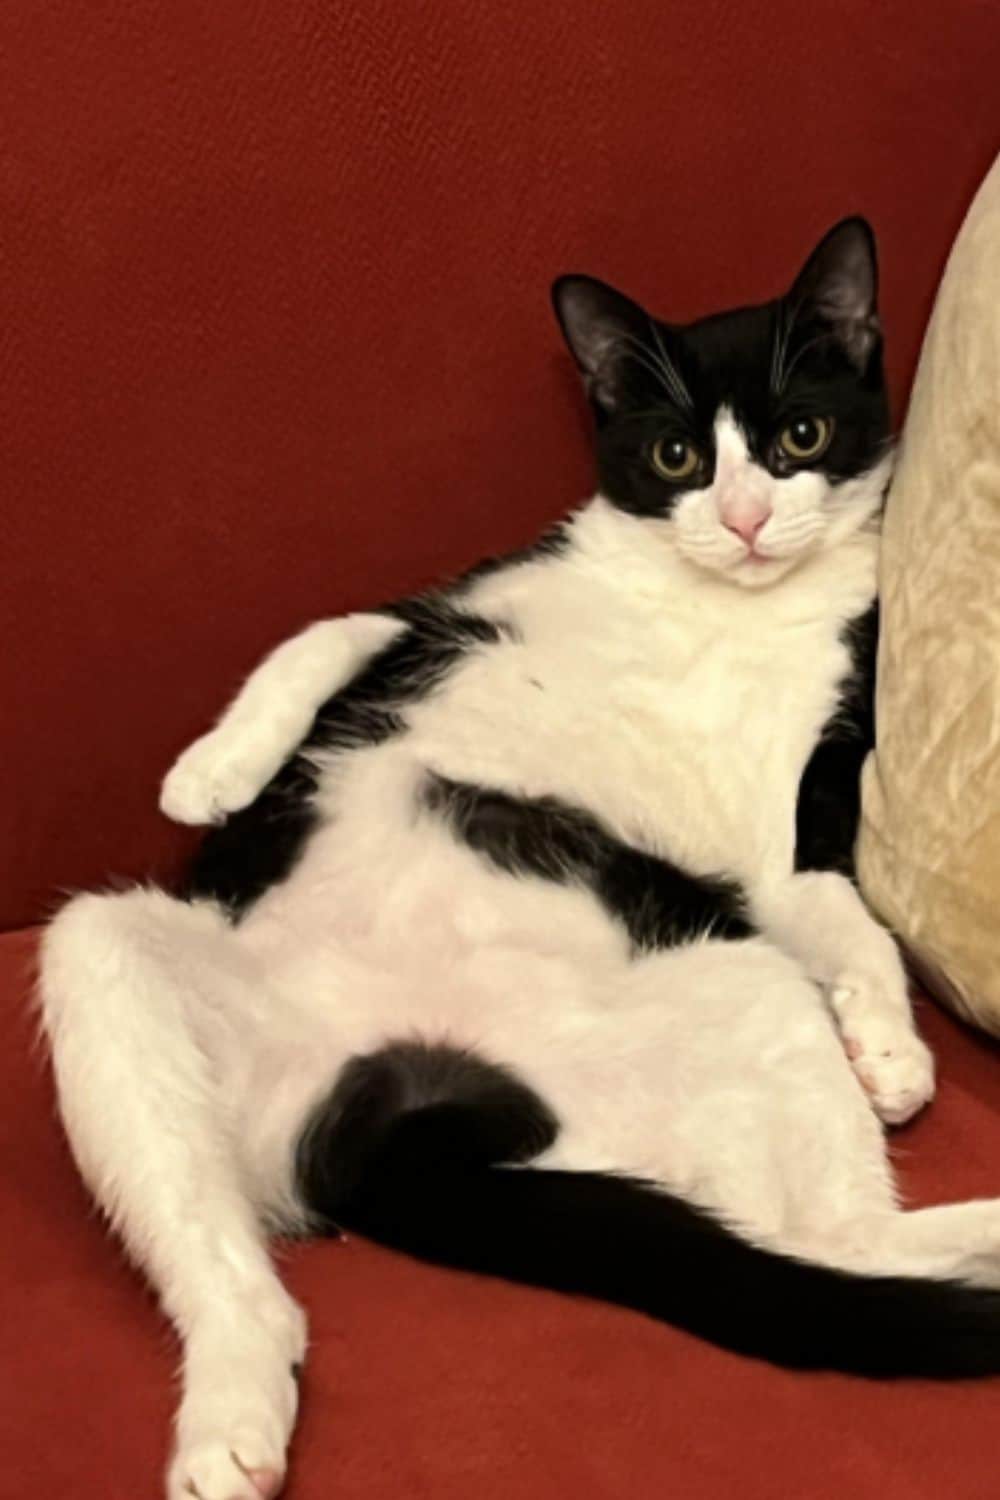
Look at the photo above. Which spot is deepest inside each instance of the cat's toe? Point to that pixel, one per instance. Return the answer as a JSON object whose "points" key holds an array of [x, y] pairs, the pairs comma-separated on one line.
{"points": [[242, 1466], [896, 1071], [207, 784], [186, 799], [891, 1063]]}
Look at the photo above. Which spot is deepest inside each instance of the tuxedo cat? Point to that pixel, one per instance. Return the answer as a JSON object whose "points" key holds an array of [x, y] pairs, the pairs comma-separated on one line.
{"points": [[526, 938]]}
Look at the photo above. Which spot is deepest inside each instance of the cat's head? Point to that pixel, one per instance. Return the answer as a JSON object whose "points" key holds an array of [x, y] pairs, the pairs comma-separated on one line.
{"points": [[750, 439]]}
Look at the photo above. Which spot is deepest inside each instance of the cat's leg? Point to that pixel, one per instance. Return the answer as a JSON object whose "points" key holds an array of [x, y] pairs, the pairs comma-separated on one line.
{"points": [[956, 1240], [819, 918], [225, 769], [123, 980]]}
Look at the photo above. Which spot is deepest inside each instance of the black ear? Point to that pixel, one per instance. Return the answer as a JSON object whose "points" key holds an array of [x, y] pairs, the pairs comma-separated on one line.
{"points": [[603, 329], [839, 285]]}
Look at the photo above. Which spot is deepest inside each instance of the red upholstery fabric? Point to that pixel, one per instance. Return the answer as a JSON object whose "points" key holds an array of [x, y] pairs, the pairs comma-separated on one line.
{"points": [[428, 1385], [274, 337], [274, 342]]}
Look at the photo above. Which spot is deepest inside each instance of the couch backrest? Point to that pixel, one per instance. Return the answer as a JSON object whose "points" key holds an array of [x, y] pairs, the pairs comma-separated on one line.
{"points": [[275, 338]]}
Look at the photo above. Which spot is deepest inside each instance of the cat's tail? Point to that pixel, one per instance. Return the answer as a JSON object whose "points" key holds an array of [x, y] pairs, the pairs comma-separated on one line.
{"points": [[418, 1148]]}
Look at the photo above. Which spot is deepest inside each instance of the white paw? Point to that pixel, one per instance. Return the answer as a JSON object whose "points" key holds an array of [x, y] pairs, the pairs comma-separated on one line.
{"points": [[891, 1063], [213, 778], [239, 1406], [243, 1465]]}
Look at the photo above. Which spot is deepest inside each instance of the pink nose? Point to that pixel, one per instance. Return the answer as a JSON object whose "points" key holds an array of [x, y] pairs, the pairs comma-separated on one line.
{"points": [[747, 526]]}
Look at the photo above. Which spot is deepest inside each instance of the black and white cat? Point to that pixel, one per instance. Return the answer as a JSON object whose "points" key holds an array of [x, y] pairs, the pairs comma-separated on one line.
{"points": [[550, 867]]}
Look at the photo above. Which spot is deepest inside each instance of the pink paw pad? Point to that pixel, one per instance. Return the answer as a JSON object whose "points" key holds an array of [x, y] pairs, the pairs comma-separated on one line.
{"points": [[267, 1481]]}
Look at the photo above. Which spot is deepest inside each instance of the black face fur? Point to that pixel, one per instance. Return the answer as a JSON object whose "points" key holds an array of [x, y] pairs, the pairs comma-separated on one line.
{"points": [[815, 352]]}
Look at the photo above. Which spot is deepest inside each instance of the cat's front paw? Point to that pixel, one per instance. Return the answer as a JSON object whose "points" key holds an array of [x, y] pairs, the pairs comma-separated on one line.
{"points": [[892, 1064], [212, 779]]}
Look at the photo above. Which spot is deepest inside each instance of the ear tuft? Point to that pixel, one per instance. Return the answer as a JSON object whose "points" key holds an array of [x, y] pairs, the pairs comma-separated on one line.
{"points": [[839, 285]]}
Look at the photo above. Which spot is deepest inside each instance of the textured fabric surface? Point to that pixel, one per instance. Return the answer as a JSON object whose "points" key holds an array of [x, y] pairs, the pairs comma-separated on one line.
{"points": [[430, 1385], [275, 338], [930, 844]]}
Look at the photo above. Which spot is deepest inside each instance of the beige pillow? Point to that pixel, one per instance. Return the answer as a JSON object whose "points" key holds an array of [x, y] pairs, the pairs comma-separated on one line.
{"points": [[929, 851]]}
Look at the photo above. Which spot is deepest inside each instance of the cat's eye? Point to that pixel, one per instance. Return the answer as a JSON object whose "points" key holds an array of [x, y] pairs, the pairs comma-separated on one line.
{"points": [[806, 438], [675, 459]]}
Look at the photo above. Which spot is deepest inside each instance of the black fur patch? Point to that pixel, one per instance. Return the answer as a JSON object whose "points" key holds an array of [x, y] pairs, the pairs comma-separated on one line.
{"points": [[659, 905], [829, 800], [258, 847], [366, 711], [410, 1149], [465, 1111]]}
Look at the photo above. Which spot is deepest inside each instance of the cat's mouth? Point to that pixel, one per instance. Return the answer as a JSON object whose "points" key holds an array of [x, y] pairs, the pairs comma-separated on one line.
{"points": [[756, 567], [754, 563]]}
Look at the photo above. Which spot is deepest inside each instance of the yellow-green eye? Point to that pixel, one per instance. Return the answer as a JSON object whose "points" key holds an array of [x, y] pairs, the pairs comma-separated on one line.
{"points": [[675, 459], [806, 438]]}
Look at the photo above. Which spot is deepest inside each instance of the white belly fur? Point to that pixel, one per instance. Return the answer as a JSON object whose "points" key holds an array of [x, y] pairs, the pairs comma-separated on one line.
{"points": [[663, 726]]}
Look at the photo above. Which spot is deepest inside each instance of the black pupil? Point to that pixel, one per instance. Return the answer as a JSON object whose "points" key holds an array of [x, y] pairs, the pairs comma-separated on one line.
{"points": [[805, 433], [676, 455]]}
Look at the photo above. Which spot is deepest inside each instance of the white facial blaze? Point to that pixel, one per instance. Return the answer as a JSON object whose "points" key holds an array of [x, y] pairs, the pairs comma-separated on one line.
{"points": [[741, 489], [752, 526]]}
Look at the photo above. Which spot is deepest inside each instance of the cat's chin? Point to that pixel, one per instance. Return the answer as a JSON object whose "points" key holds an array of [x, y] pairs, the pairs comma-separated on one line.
{"points": [[761, 572], [750, 572]]}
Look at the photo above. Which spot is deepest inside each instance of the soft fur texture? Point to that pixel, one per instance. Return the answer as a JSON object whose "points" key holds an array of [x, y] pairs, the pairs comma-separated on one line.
{"points": [[929, 853], [446, 922]]}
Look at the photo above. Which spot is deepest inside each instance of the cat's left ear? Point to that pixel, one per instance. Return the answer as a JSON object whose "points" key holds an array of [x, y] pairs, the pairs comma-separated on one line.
{"points": [[839, 285]]}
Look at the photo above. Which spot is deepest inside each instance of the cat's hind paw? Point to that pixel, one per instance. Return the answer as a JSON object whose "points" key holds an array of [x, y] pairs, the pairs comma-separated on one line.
{"points": [[241, 1467], [239, 1407]]}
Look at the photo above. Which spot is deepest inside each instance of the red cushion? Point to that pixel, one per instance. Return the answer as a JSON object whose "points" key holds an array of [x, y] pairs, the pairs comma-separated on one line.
{"points": [[427, 1385], [275, 336]]}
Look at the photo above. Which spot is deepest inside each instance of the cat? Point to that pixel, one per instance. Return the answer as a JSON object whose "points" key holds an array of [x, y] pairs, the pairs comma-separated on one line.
{"points": [[526, 937]]}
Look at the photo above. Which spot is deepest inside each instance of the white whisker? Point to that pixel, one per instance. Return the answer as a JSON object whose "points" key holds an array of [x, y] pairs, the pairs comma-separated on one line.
{"points": [[671, 369]]}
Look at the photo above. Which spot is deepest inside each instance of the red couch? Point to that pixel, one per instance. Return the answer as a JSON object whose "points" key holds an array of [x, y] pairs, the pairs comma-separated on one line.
{"points": [[275, 343]]}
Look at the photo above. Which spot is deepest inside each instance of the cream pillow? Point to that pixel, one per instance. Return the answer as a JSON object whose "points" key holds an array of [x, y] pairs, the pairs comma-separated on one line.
{"points": [[929, 850]]}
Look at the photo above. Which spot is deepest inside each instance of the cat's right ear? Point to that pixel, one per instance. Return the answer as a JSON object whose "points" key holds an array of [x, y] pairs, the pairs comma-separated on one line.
{"points": [[603, 328]]}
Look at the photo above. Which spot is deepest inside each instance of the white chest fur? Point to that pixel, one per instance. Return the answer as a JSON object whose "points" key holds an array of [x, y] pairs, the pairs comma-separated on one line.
{"points": [[677, 708]]}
